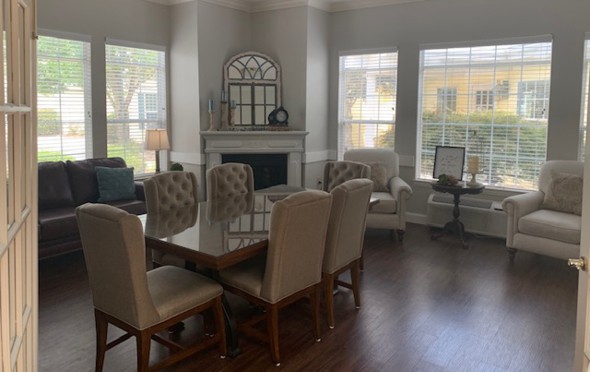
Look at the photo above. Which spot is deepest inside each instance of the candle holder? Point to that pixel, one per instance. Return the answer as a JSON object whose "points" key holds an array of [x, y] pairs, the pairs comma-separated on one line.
{"points": [[232, 117], [473, 182], [212, 127], [223, 113]]}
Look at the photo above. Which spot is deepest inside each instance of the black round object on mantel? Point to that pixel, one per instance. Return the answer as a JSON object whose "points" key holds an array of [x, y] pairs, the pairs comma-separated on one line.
{"points": [[278, 116]]}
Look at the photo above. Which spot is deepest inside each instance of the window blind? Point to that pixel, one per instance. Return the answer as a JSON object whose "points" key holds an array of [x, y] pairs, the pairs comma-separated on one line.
{"points": [[367, 98], [63, 99], [494, 101], [584, 114], [136, 98]]}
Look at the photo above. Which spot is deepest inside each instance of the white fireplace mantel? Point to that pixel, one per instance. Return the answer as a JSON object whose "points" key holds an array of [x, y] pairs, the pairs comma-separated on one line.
{"points": [[287, 142]]}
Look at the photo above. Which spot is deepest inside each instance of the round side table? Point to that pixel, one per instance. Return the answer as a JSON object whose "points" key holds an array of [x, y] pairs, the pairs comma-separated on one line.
{"points": [[455, 226]]}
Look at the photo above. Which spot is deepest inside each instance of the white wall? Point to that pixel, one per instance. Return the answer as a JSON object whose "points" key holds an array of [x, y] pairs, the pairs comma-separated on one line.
{"points": [[131, 20], [223, 33], [282, 35], [184, 84], [409, 25]]}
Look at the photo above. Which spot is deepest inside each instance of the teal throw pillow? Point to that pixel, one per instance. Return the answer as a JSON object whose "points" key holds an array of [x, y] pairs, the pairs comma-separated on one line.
{"points": [[115, 184]]}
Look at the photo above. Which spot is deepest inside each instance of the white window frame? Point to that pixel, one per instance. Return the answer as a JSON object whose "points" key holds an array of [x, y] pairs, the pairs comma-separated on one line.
{"points": [[88, 143], [342, 122], [148, 122], [471, 132], [584, 112]]}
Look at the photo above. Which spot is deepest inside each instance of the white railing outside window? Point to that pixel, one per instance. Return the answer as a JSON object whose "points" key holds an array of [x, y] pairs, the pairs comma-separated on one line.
{"points": [[367, 98], [63, 99], [136, 101], [494, 101]]}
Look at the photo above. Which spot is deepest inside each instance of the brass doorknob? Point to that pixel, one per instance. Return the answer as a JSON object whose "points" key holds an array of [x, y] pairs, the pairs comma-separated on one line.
{"points": [[578, 263]]}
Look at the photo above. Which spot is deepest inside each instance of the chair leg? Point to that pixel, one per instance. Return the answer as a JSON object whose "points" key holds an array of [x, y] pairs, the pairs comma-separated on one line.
{"points": [[315, 309], [329, 294], [355, 272], [143, 351], [101, 339], [220, 327], [272, 325], [400, 235], [511, 254], [362, 262]]}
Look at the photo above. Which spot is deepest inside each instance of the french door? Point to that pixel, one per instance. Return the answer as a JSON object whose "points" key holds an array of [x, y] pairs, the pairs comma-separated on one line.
{"points": [[18, 188]]}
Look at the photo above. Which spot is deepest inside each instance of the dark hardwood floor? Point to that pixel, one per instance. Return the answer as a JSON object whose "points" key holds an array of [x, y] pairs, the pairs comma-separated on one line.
{"points": [[426, 306]]}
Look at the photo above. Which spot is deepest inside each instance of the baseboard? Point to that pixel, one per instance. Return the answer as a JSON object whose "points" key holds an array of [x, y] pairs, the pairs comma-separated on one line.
{"points": [[417, 218]]}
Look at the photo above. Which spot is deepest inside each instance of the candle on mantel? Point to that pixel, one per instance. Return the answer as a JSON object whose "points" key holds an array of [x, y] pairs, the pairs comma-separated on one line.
{"points": [[232, 104], [223, 96], [211, 105], [473, 165]]}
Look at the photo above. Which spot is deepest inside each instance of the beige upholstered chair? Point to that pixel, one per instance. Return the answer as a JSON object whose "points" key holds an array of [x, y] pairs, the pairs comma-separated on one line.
{"points": [[166, 193], [140, 303], [229, 179], [170, 190], [392, 191], [227, 209], [337, 172], [548, 221], [293, 266], [344, 241]]}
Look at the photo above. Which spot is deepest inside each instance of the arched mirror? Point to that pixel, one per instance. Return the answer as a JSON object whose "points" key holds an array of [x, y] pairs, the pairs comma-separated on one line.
{"points": [[253, 82]]}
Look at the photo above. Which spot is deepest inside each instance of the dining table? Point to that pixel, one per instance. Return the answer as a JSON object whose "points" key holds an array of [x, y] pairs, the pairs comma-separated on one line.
{"points": [[216, 234]]}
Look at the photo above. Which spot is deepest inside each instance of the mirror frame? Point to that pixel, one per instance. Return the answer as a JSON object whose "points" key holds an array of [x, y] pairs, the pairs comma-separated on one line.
{"points": [[248, 78]]}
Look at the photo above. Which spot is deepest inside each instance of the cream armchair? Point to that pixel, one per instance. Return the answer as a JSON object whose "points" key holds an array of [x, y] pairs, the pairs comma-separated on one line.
{"points": [[392, 191], [548, 221]]}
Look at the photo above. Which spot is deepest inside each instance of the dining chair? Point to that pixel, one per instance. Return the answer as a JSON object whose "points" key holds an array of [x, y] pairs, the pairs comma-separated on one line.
{"points": [[344, 240], [293, 267], [140, 303], [165, 193], [337, 172], [229, 179]]}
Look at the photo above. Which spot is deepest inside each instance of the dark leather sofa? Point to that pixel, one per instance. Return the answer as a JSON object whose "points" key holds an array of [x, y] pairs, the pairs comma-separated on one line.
{"points": [[62, 187]]}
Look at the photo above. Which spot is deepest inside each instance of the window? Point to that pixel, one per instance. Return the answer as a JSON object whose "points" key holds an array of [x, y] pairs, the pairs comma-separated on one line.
{"points": [[367, 101], [484, 100], [63, 99], [533, 99], [446, 100], [584, 115], [136, 98], [500, 96]]}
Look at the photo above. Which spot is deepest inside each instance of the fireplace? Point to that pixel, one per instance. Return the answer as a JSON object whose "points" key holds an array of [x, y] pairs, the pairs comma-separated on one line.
{"points": [[269, 169], [288, 145]]}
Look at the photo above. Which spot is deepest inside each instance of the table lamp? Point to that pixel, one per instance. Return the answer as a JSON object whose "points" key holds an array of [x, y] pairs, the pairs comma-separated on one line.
{"points": [[157, 139]]}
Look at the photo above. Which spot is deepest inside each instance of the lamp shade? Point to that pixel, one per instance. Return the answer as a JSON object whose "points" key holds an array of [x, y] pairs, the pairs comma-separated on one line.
{"points": [[156, 139]]}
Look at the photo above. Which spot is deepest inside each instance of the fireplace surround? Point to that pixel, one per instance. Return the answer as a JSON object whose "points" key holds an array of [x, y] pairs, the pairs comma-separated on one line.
{"points": [[290, 143]]}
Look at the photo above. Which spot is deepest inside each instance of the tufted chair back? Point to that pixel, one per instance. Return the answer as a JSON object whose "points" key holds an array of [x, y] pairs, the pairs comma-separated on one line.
{"points": [[338, 172], [170, 190], [229, 179]]}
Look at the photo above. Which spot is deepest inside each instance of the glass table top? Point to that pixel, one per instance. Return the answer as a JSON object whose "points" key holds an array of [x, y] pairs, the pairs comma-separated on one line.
{"points": [[212, 230]]}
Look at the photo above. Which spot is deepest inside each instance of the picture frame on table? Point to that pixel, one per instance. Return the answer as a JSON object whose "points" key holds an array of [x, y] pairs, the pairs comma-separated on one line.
{"points": [[449, 160]]}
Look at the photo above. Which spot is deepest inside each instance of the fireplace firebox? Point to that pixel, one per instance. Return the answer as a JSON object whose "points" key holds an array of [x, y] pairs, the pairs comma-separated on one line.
{"points": [[269, 169]]}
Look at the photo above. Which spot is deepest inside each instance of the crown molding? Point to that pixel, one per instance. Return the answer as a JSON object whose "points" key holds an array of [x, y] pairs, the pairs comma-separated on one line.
{"points": [[254, 6], [341, 6]]}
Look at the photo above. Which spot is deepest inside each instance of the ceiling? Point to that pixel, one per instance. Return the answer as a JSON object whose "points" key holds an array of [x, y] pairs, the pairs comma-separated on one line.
{"points": [[253, 6]]}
